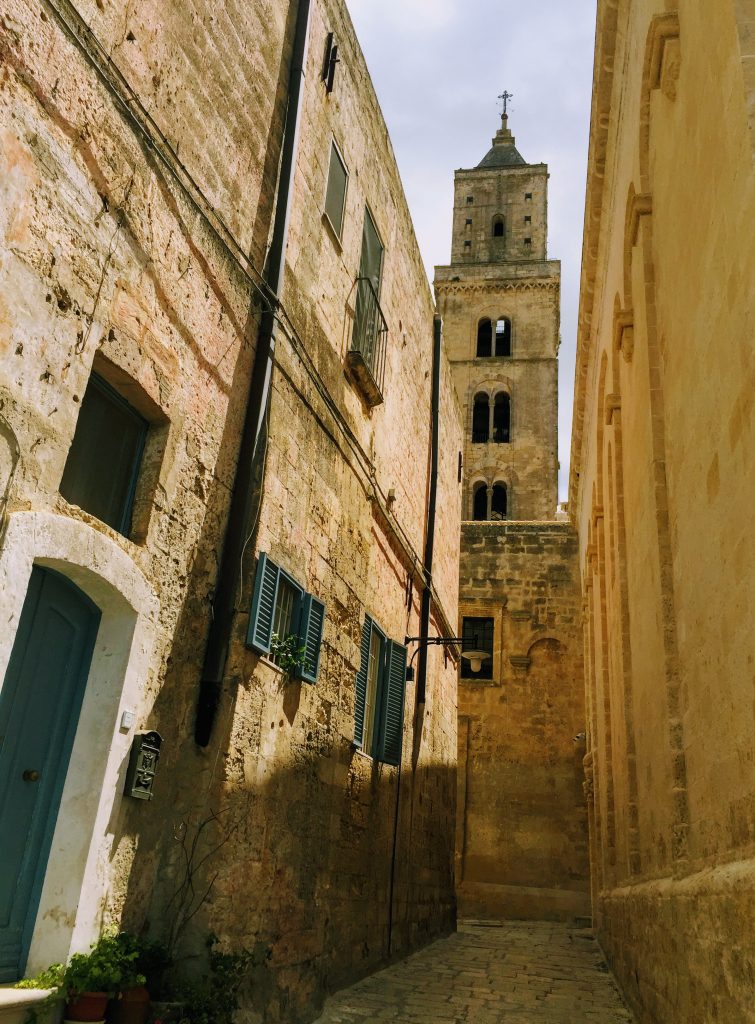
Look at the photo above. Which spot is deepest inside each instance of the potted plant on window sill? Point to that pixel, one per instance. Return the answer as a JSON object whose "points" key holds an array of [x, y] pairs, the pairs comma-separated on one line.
{"points": [[287, 652]]}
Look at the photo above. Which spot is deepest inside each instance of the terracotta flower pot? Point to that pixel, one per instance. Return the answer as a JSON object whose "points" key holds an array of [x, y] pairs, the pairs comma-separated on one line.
{"points": [[89, 1006], [131, 1008]]}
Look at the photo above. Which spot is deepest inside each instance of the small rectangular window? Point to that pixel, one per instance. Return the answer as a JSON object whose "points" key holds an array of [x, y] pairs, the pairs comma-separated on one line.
{"points": [[528, 241], [335, 198], [528, 195], [281, 609], [477, 640], [470, 199], [105, 456], [528, 219], [468, 222], [467, 244]]}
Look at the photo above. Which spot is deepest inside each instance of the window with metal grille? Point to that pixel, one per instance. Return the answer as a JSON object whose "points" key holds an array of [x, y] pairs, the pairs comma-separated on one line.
{"points": [[477, 636], [105, 456], [366, 357]]}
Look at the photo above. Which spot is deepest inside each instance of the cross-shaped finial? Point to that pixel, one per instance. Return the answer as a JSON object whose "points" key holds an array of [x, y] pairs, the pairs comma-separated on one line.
{"points": [[506, 96]]}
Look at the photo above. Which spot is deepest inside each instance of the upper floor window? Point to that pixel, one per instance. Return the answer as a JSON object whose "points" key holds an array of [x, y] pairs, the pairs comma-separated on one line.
{"points": [[480, 503], [490, 504], [105, 456], [470, 199], [484, 338], [503, 337], [368, 343], [498, 227], [380, 693], [502, 418], [481, 419], [498, 502], [477, 639], [335, 196], [283, 613]]}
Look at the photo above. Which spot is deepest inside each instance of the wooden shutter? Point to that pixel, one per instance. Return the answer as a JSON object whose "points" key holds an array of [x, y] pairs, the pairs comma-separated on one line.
{"points": [[360, 696], [263, 605], [310, 633], [394, 688]]}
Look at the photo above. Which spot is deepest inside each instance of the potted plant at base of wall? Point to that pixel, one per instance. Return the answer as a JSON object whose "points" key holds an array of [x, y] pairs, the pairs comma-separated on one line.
{"points": [[89, 980], [150, 961]]}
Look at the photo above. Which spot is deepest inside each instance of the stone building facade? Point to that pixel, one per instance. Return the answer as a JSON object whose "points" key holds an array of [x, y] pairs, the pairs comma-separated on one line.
{"points": [[662, 492], [138, 178], [521, 845]]}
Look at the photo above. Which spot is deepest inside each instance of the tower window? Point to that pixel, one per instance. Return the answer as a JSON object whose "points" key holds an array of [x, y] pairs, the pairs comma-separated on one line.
{"points": [[502, 418], [503, 337], [528, 241], [468, 222], [528, 195], [484, 338], [481, 419], [480, 503], [498, 502], [467, 244], [498, 227], [470, 199], [528, 219]]}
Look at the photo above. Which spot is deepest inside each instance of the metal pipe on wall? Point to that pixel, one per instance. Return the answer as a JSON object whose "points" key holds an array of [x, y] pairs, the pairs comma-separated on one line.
{"points": [[248, 480]]}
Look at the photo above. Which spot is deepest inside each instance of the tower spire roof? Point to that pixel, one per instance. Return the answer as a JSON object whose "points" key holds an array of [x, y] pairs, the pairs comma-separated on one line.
{"points": [[504, 152]]}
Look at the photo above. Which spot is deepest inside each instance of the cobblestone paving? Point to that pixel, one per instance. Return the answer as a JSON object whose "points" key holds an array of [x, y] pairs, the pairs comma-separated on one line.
{"points": [[520, 973]]}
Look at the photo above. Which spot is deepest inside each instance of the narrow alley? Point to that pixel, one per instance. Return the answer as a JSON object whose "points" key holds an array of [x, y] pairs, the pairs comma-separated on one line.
{"points": [[518, 972]]}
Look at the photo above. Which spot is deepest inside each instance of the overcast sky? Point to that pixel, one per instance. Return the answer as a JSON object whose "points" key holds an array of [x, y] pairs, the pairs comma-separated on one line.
{"points": [[437, 67]]}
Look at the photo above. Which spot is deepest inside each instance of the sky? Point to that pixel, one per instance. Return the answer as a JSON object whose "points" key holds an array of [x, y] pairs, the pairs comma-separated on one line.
{"points": [[438, 67]]}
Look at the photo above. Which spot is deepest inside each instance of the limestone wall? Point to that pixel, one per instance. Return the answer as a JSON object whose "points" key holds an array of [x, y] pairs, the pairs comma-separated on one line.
{"points": [[662, 491], [138, 253], [522, 829]]}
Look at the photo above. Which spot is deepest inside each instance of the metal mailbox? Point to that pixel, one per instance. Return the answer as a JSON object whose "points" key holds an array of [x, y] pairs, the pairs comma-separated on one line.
{"points": [[142, 765]]}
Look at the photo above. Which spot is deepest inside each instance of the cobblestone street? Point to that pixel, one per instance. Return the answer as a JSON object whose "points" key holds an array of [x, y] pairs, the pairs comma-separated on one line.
{"points": [[520, 973]]}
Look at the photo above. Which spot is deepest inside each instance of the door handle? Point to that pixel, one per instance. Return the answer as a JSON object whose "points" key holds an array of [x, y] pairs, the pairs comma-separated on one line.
{"points": [[30, 775]]}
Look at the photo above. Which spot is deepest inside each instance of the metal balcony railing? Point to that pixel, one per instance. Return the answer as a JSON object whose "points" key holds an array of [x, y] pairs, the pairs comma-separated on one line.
{"points": [[366, 357]]}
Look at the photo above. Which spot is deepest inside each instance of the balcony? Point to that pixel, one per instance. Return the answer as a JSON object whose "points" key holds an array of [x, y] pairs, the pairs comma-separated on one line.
{"points": [[365, 360]]}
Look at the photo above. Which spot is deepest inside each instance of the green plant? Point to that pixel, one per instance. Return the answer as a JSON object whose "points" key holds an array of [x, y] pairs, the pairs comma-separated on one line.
{"points": [[287, 651], [148, 957], [214, 998], [109, 966]]}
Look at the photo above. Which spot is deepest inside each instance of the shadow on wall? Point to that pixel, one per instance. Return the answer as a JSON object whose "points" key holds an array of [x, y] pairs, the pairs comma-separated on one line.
{"points": [[291, 859]]}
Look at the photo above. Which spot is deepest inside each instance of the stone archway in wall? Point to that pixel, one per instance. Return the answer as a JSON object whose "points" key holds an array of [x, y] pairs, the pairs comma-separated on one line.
{"points": [[73, 892]]}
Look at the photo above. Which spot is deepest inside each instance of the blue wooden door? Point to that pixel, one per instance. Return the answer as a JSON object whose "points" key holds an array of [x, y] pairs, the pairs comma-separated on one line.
{"points": [[39, 710]]}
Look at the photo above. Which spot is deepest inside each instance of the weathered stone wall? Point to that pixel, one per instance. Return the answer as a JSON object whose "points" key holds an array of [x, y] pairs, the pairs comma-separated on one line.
{"points": [[111, 258], [662, 493], [522, 835]]}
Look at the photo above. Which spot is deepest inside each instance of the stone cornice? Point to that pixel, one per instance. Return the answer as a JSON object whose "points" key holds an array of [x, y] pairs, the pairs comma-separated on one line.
{"points": [[523, 285], [600, 120]]}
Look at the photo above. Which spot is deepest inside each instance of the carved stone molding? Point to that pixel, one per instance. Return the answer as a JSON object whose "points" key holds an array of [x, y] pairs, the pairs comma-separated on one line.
{"points": [[665, 53], [623, 333], [520, 662], [612, 405], [641, 205], [482, 287]]}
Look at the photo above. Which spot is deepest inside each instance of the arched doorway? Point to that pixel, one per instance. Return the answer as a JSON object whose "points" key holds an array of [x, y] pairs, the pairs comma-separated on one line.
{"points": [[40, 703]]}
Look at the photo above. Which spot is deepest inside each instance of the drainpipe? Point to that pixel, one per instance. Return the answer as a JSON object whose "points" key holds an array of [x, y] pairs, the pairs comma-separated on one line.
{"points": [[247, 484], [424, 620]]}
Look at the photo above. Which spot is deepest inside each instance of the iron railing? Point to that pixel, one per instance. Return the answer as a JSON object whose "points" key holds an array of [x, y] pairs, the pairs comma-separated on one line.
{"points": [[370, 332]]}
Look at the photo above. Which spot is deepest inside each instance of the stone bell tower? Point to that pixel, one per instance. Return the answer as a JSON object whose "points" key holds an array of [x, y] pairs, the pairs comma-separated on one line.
{"points": [[521, 843], [499, 300]]}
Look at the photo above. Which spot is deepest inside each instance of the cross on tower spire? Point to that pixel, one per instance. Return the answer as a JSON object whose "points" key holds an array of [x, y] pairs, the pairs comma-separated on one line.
{"points": [[506, 96]]}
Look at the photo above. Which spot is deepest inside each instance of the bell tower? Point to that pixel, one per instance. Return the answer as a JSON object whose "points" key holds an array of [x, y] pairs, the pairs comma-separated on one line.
{"points": [[499, 299]]}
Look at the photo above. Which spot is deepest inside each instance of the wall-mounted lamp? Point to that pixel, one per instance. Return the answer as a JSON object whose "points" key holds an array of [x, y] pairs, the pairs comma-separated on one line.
{"points": [[476, 658], [432, 641]]}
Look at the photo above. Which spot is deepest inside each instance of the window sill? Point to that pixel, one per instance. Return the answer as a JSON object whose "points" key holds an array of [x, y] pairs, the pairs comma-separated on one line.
{"points": [[333, 233]]}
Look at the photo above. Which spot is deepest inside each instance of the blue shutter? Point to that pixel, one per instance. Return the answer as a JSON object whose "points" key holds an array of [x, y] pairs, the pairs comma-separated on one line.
{"points": [[394, 688], [360, 695], [310, 633], [263, 605]]}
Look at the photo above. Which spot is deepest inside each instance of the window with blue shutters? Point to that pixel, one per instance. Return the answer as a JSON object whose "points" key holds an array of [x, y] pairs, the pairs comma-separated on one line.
{"points": [[282, 608], [380, 692]]}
